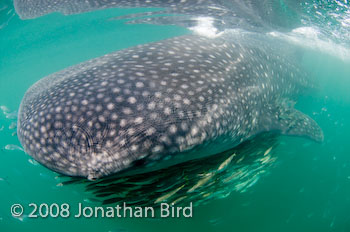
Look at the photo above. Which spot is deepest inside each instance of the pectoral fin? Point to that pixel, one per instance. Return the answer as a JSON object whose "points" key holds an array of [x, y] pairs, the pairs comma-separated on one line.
{"points": [[297, 123], [289, 121]]}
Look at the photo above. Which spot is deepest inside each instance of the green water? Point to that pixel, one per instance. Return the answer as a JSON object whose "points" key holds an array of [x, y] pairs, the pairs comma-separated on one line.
{"points": [[307, 190]]}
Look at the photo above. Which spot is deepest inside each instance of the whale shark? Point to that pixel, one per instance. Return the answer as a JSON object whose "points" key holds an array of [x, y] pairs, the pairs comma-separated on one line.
{"points": [[163, 103], [248, 14]]}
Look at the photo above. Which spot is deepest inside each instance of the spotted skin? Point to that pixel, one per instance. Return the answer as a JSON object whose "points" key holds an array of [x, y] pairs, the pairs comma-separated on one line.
{"points": [[262, 15], [159, 104], [27, 9]]}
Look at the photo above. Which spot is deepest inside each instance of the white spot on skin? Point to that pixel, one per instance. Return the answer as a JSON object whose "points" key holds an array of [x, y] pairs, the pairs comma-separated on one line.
{"points": [[114, 116], [151, 106], [157, 149], [138, 120], [177, 97], [145, 93], [150, 131], [167, 111], [184, 126], [139, 84], [122, 123], [172, 129], [58, 109], [194, 131], [132, 100], [116, 90], [43, 129], [186, 101], [110, 106], [153, 116], [127, 111], [98, 108], [101, 118], [112, 133], [131, 131], [119, 99], [58, 124]]}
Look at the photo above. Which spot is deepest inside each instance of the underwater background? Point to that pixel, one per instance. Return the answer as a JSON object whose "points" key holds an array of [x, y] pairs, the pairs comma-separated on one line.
{"points": [[307, 188]]}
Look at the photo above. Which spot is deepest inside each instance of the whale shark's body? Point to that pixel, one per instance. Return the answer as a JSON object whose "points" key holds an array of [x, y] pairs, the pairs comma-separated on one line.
{"points": [[163, 103]]}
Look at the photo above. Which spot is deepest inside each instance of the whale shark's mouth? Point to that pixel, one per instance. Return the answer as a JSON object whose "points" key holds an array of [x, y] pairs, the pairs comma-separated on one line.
{"points": [[198, 181]]}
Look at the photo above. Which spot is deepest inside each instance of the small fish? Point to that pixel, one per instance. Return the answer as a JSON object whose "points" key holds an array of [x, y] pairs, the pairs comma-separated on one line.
{"points": [[236, 175], [92, 200], [4, 109], [13, 147], [33, 162], [201, 182], [254, 181], [240, 160], [13, 125], [224, 164], [11, 115], [168, 195], [22, 218], [267, 151], [205, 194], [265, 159], [5, 179], [179, 199]]}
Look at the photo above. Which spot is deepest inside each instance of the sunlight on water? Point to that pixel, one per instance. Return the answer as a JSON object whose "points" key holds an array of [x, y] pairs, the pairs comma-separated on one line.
{"points": [[310, 38]]}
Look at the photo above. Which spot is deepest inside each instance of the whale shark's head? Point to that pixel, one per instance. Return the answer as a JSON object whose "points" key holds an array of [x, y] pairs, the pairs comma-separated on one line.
{"points": [[102, 116]]}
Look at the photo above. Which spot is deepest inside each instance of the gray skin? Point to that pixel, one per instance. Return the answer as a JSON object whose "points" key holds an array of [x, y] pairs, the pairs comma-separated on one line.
{"points": [[159, 104], [249, 14], [28, 9]]}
